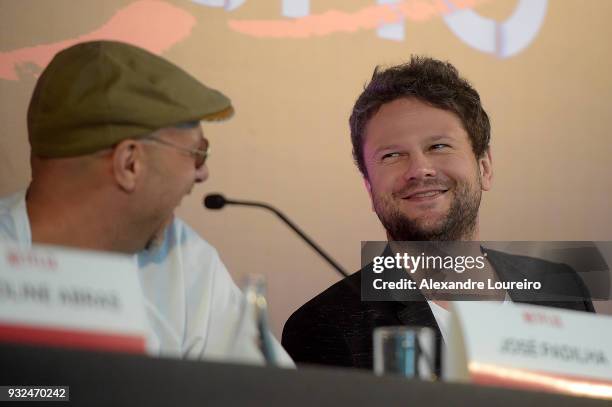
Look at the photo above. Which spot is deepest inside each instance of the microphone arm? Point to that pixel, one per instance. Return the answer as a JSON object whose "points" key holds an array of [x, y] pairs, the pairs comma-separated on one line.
{"points": [[216, 198]]}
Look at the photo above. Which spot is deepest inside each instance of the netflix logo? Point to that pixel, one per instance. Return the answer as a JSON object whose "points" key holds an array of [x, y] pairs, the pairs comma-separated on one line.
{"points": [[541, 318], [30, 259]]}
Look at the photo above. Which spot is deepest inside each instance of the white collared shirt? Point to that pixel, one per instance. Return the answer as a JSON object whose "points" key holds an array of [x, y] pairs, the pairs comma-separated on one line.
{"points": [[193, 307]]}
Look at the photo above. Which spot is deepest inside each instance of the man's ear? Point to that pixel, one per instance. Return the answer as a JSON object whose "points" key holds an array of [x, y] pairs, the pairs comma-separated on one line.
{"points": [[127, 164], [485, 166]]}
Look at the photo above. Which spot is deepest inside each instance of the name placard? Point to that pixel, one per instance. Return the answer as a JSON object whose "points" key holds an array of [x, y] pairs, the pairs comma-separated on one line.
{"points": [[532, 347], [62, 297]]}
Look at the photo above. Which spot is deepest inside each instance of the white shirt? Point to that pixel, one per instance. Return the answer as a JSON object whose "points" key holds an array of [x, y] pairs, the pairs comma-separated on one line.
{"points": [[443, 317], [193, 306]]}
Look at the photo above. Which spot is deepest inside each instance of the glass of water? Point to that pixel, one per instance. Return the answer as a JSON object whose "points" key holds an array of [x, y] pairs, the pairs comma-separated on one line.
{"points": [[405, 351]]}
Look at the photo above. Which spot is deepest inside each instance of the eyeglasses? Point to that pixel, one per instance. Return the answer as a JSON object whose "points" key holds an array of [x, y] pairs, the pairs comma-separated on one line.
{"points": [[199, 154]]}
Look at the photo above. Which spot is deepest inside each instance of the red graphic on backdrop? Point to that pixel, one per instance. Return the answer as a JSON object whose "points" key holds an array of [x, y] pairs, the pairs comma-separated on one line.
{"points": [[150, 24], [367, 18]]}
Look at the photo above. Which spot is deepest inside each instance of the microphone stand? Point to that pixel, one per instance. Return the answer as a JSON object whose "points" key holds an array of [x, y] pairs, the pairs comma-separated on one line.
{"points": [[295, 228]]}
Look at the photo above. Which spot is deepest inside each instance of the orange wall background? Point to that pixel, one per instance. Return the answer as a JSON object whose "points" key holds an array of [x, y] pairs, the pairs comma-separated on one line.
{"points": [[293, 82]]}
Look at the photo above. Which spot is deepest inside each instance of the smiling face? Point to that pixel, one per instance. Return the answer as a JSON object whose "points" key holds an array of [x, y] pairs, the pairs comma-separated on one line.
{"points": [[423, 177]]}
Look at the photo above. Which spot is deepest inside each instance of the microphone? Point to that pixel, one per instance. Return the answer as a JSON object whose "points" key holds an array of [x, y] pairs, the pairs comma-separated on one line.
{"points": [[214, 201], [218, 201]]}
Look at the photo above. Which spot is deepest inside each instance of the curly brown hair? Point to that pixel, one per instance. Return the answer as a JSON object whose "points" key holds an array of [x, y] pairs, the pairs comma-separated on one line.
{"points": [[430, 80]]}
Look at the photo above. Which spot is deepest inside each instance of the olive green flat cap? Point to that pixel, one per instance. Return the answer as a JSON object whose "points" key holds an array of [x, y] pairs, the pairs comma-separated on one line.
{"points": [[95, 94]]}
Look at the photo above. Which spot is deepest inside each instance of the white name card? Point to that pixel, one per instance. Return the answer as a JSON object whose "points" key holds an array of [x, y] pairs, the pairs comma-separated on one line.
{"points": [[63, 297], [531, 347]]}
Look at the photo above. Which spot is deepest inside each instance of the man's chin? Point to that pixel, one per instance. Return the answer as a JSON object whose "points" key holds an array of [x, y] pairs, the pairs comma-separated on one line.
{"points": [[430, 225], [421, 229]]}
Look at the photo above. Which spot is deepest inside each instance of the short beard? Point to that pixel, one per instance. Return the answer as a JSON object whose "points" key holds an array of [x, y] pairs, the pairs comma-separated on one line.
{"points": [[459, 223]]}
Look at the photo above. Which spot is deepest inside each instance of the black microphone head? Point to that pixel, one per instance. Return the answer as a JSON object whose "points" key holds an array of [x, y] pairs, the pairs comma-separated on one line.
{"points": [[214, 201]]}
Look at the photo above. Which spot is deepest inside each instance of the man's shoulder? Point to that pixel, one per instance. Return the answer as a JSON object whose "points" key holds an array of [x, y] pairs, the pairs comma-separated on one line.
{"points": [[560, 283], [342, 295], [335, 327], [526, 263], [551, 274], [184, 233], [181, 234]]}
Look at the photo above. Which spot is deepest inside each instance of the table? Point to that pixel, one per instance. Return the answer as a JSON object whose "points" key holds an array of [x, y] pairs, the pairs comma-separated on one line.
{"points": [[113, 379]]}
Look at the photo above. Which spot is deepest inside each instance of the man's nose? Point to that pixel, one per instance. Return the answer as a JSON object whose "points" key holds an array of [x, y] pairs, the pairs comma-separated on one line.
{"points": [[201, 173], [419, 167]]}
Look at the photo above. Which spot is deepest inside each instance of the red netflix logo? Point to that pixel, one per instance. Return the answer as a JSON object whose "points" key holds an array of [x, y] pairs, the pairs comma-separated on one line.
{"points": [[541, 318], [17, 259]]}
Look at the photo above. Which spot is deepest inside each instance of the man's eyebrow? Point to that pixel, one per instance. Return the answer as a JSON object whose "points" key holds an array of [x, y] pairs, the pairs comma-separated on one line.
{"points": [[439, 137]]}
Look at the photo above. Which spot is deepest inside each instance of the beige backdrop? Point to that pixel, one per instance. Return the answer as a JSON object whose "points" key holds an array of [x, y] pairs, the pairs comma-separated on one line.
{"points": [[289, 141]]}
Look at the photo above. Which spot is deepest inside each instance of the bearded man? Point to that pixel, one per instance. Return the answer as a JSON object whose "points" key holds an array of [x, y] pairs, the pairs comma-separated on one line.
{"points": [[421, 142]]}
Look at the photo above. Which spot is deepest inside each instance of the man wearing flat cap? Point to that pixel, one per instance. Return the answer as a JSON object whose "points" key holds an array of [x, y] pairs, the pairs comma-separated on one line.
{"points": [[116, 144]]}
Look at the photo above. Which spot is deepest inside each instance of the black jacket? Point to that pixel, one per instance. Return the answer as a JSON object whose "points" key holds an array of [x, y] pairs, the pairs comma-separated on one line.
{"points": [[335, 327]]}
